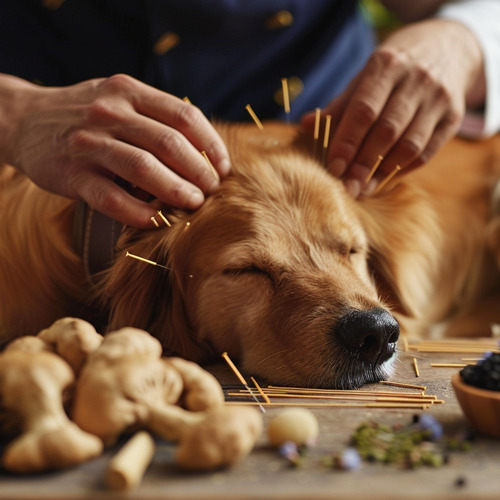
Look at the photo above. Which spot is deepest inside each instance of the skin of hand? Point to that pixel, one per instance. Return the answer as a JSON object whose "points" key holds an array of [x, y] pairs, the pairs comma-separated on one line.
{"points": [[406, 103], [76, 140]]}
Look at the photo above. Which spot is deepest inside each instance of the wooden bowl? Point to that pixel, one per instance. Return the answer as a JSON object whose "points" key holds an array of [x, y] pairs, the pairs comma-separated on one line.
{"points": [[480, 406]]}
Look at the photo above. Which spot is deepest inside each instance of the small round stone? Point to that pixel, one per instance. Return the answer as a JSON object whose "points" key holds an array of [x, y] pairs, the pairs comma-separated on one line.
{"points": [[298, 425]]}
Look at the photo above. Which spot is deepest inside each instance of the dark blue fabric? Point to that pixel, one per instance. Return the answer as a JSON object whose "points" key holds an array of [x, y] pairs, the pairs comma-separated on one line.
{"points": [[227, 56]]}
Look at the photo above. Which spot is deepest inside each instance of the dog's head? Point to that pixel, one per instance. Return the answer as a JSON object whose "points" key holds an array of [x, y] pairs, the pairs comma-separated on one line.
{"points": [[272, 269]]}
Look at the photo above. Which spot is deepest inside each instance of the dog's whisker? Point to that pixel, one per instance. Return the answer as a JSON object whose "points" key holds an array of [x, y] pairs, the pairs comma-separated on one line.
{"points": [[403, 353]]}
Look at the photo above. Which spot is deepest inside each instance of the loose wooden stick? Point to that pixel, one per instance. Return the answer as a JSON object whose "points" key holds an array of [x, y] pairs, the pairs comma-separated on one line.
{"points": [[241, 379], [254, 116], [259, 388], [298, 390], [387, 179], [374, 169], [415, 367], [457, 350], [402, 405], [126, 469], [400, 384], [448, 365], [378, 399], [147, 261], [186, 99], [233, 367]]}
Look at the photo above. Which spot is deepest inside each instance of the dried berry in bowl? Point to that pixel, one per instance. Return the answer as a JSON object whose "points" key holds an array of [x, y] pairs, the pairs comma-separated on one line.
{"points": [[477, 388], [485, 374]]}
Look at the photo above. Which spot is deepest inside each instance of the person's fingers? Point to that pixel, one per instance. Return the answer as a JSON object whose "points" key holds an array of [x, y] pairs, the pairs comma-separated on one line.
{"points": [[366, 102], [172, 149], [443, 132], [139, 167], [105, 196], [176, 113], [388, 131]]}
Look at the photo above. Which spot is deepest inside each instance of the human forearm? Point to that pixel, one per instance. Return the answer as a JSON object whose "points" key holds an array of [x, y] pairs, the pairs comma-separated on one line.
{"points": [[482, 19], [16, 96]]}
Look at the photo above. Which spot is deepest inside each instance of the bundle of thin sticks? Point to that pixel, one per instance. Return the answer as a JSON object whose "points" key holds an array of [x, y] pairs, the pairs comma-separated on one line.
{"points": [[412, 397], [477, 345]]}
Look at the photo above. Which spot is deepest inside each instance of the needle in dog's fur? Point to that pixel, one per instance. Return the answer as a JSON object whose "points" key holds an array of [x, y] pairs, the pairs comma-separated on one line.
{"points": [[242, 379], [254, 116], [374, 169], [286, 98], [210, 165], [326, 137], [147, 261], [164, 219], [317, 121], [387, 179]]}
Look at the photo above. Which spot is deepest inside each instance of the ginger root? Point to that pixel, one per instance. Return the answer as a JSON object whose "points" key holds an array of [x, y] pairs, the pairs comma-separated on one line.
{"points": [[225, 436], [32, 381], [73, 339], [121, 383], [126, 384]]}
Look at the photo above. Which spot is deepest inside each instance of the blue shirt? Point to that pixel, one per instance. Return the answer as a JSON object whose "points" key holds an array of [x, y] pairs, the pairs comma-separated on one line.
{"points": [[228, 53]]}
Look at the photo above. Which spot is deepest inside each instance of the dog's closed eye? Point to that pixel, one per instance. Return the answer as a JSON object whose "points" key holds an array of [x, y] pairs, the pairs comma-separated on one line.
{"points": [[246, 270]]}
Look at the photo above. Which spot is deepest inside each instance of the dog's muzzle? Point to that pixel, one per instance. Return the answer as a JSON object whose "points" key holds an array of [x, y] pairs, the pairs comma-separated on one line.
{"points": [[370, 335]]}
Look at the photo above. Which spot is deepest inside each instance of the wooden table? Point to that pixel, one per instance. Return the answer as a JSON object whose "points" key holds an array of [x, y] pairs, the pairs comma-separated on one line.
{"points": [[264, 474]]}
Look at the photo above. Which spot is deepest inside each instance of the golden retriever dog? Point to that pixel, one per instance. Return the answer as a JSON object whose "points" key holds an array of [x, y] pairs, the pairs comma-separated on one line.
{"points": [[297, 281]]}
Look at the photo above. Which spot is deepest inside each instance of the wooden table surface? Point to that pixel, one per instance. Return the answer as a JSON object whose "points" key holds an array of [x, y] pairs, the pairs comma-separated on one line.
{"points": [[264, 474]]}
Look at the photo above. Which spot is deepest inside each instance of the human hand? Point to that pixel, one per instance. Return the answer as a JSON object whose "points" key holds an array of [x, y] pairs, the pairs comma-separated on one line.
{"points": [[405, 104], [75, 140]]}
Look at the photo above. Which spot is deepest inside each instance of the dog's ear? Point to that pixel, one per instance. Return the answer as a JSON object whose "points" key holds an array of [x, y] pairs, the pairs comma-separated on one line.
{"points": [[404, 238], [148, 296]]}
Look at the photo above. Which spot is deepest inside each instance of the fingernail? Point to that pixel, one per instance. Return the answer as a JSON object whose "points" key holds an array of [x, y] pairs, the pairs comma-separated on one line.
{"points": [[353, 187], [224, 167], [370, 188], [337, 167], [195, 199]]}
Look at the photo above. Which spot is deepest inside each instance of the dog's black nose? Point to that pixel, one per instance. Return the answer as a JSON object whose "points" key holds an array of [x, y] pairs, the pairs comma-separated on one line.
{"points": [[371, 334]]}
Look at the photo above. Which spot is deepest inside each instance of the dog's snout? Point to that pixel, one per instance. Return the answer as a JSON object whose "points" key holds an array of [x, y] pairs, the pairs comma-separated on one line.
{"points": [[371, 334]]}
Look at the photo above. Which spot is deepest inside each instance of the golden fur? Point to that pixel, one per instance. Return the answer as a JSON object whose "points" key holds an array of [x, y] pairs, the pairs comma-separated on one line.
{"points": [[270, 264]]}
